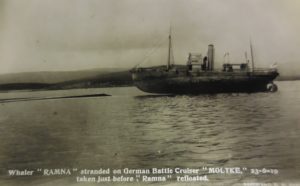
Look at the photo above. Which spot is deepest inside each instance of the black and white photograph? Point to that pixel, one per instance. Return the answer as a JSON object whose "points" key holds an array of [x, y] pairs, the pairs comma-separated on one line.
{"points": [[149, 92]]}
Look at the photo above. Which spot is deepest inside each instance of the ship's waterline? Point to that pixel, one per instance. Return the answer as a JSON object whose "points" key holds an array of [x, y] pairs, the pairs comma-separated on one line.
{"points": [[200, 84]]}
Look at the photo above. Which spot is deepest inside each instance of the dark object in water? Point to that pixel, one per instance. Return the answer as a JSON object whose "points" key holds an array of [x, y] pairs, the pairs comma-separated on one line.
{"points": [[199, 76], [45, 98], [81, 96]]}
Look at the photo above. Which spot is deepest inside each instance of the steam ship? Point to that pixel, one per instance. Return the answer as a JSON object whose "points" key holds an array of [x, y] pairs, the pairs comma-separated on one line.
{"points": [[199, 76]]}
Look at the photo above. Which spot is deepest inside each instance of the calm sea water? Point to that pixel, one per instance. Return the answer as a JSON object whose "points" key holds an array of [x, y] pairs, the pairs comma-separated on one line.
{"points": [[137, 130]]}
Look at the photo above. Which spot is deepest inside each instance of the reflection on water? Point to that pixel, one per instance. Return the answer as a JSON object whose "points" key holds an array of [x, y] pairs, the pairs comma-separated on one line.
{"points": [[136, 130]]}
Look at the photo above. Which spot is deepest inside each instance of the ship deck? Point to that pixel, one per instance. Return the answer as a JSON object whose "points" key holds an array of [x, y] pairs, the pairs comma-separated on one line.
{"points": [[182, 71]]}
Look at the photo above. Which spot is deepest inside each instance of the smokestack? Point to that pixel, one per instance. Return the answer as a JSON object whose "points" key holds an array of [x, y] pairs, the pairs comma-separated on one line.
{"points": [[211, 57]]}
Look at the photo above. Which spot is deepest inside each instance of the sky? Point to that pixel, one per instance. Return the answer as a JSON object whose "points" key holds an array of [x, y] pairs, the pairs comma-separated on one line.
{"points": [[62, 35]]}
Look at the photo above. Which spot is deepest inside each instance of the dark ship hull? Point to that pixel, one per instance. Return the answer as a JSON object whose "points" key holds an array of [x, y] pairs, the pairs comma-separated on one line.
{"points": [[157, 80]]}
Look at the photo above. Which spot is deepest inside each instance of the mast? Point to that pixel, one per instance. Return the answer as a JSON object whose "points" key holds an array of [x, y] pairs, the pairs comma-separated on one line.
{"points": [[246, 57], [169, 51], [252, 58]]}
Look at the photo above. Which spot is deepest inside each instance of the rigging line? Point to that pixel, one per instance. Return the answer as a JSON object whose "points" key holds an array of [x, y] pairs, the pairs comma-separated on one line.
{"points": [[153, 49], [158, 44]]}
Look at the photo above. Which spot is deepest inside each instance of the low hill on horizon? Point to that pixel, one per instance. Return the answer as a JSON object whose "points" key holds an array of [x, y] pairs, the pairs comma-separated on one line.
{"points": [[50, 77], [93, 78]]}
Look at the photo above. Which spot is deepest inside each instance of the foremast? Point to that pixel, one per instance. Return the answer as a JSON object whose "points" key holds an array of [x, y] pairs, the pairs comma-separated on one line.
{"points": [[252, 57], [169, 52], [170, 61]]}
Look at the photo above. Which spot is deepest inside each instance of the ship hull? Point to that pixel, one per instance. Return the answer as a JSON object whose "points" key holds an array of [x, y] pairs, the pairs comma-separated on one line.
{"points": [[202, 84]]}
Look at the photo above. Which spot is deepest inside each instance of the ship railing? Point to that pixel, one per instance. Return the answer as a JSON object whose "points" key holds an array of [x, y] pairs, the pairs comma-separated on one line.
{"points": [[265, 69], [256, 70], [142, 69]]}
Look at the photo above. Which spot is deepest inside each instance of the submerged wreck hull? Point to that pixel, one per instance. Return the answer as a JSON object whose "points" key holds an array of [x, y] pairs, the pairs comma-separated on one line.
{"points": [[221, 82]]}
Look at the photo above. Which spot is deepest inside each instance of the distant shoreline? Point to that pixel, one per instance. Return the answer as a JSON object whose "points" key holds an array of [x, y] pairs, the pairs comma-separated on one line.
{"points": [[64, 81], [101, 78], [28, 87], [49, 87]]}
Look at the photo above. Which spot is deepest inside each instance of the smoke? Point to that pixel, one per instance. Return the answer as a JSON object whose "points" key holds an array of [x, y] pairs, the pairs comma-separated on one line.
{"points": [[81, 34]]}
